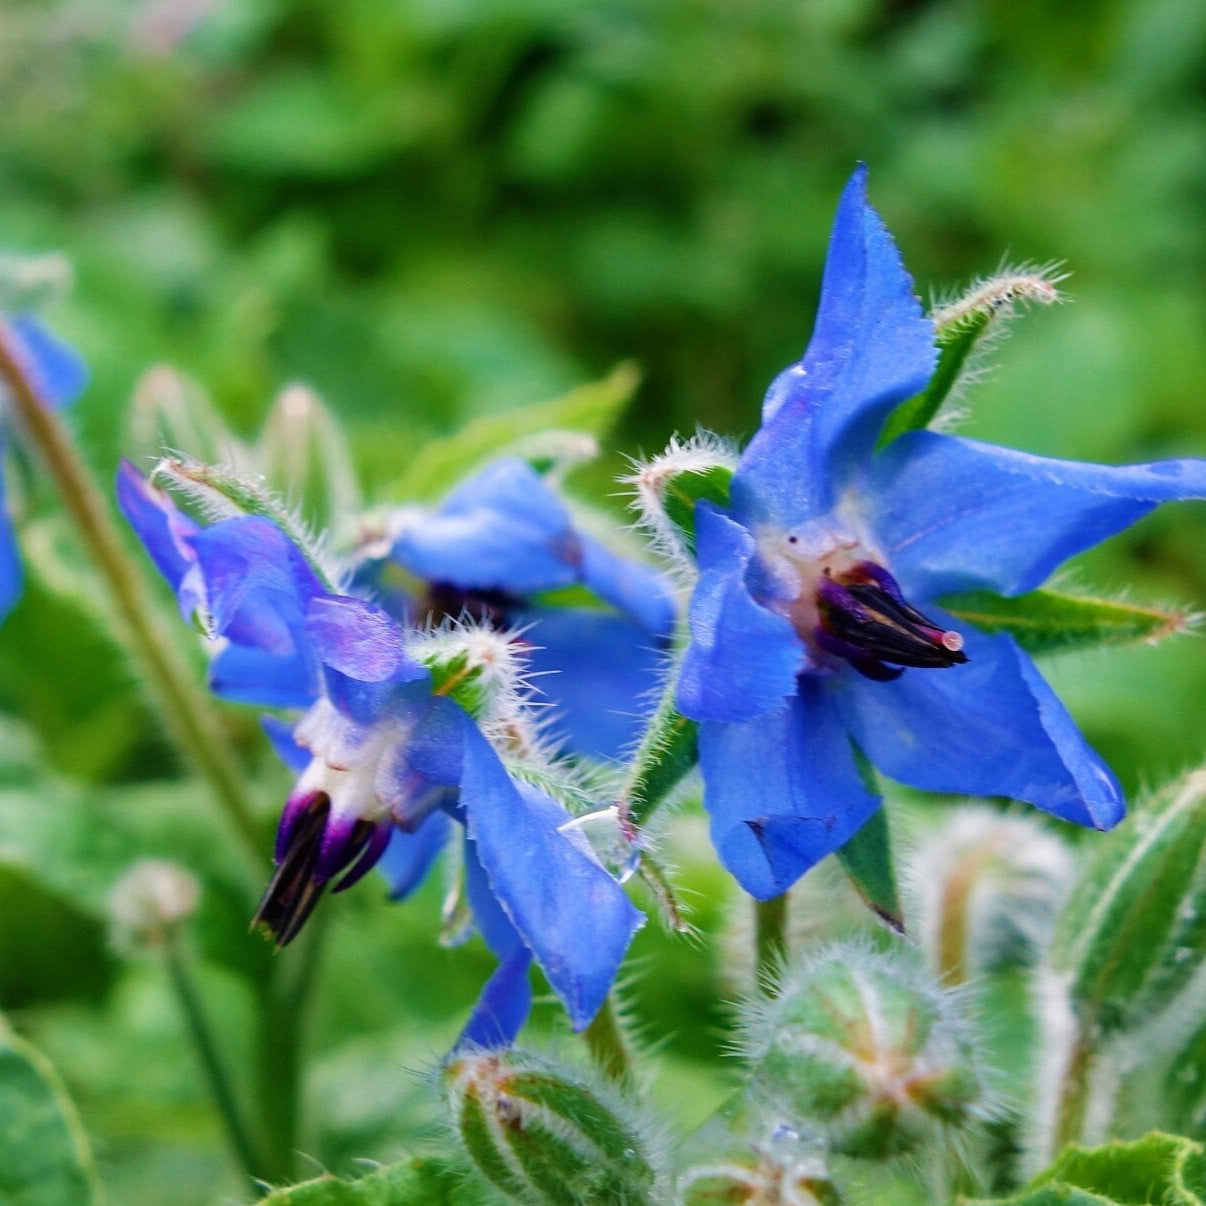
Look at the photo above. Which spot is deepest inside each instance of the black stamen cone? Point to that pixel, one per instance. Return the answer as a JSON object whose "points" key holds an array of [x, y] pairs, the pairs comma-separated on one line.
{"points": [[866, 620], [292, 892]]}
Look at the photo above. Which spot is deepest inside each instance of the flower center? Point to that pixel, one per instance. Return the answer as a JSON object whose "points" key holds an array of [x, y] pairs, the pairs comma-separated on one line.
{"points": [[844, 604]]}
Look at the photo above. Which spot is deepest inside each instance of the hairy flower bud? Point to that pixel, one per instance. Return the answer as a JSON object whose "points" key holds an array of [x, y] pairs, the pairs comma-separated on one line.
{"points": [[149, 901], [867, 1049], [539, 1133]]}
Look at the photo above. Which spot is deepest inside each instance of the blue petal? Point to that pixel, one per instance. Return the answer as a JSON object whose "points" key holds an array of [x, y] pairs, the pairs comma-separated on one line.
{"points": [[503, 529], [55, 370], [743, 659], [570, 913], [359, 640], [597, 671], [270, 680], [782, 791], [10, 557], [280, 734], [409, 856], [871, 349], [166, 534], [506, 1000], [636, 590], [991, 727], [953, 514]]}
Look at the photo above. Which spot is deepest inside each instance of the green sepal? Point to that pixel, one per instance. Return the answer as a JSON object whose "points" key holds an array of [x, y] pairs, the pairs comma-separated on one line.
{"points": [[591, 409], [955, 345], [1169, 1169], [668, 751], [683, 490], [1133, 932], [44, 1154], [867, 860], [1045, 621], [219, 491], [421, 1181], [461, 680]]}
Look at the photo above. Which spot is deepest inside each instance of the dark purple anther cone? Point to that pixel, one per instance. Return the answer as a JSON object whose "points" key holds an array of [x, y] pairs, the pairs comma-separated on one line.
{"points": [[311, 849], [866, 620]]}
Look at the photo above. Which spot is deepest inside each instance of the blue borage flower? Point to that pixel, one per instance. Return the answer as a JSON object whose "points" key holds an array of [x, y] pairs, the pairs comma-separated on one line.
{"points": [[378, 752], [57, 376], [807, 647], [491, 549]]}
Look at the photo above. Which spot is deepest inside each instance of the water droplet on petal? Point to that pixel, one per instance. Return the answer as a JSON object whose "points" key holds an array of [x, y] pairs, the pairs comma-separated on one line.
{"points": [[601, 832]]}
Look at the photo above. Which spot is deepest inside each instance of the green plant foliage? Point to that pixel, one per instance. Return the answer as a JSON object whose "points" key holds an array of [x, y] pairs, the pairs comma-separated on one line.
{"points": [[44, 1156], [423, 1181]]}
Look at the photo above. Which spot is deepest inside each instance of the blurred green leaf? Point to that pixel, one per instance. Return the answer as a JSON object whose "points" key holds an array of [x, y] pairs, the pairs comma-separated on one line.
{"points": [[421, 1181], [867, 860], [44, 1154], [1168, 1170], [591, 409]]}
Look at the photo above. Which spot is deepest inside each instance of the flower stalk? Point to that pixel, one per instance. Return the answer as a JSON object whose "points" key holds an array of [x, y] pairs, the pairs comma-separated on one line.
{"points": [[186, 713]]}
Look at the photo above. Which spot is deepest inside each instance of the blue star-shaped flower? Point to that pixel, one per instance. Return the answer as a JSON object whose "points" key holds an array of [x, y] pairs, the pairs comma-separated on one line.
{"points": [[499, 542], [57, 376], [379, 752], [807, 645]]}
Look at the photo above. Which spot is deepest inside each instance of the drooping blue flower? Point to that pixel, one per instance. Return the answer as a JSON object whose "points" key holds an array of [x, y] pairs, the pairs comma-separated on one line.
{"points": [[57, 376], [379, 752], [499, 542], [808, 648]]}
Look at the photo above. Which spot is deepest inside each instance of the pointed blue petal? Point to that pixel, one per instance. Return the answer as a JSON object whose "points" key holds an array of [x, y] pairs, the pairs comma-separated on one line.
{"points": [[782, 791], [637, 591], [953, 514], [743, 660], [503, 529], [166, 534], [409, 856], [597, 672], [570, 913], [506, 1000], [991, 727], [280, 734], [871, 349], [10, 558], [56, 371], [360, 640]]}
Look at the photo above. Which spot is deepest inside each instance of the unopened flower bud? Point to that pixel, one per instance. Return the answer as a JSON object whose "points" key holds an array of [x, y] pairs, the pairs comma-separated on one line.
{"points": [[867, 1049], [540, 1133], [149, 901]]}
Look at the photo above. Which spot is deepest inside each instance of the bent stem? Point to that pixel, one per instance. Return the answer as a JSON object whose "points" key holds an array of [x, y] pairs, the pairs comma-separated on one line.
{"points": [[213, 1067], [770, 941], [184, 708], [605, 1042]]}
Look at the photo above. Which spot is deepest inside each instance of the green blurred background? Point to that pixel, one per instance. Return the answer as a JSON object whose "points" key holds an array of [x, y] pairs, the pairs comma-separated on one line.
{"points": [[431, 210]]}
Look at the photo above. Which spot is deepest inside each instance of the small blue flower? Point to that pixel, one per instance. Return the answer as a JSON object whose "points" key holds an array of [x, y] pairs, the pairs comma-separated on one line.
{"points": [[492, 548], [807, 646], [57, 376], [379, 753]]}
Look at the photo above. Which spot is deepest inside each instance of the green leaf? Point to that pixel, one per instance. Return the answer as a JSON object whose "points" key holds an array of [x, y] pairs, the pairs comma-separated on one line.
{"points": [[1159, 1168], [1133, 932], [867, 860], [590, 409], [420, 1181], [44, 1154], [1044, 621]]}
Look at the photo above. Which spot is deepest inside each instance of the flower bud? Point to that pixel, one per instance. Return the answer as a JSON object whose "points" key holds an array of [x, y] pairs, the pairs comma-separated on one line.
{"points": [[987, 887], [540, 1133], [149, 901], [867, 1049], [1134, 930], [171, 411], [304, 455], [781, 1170]]}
